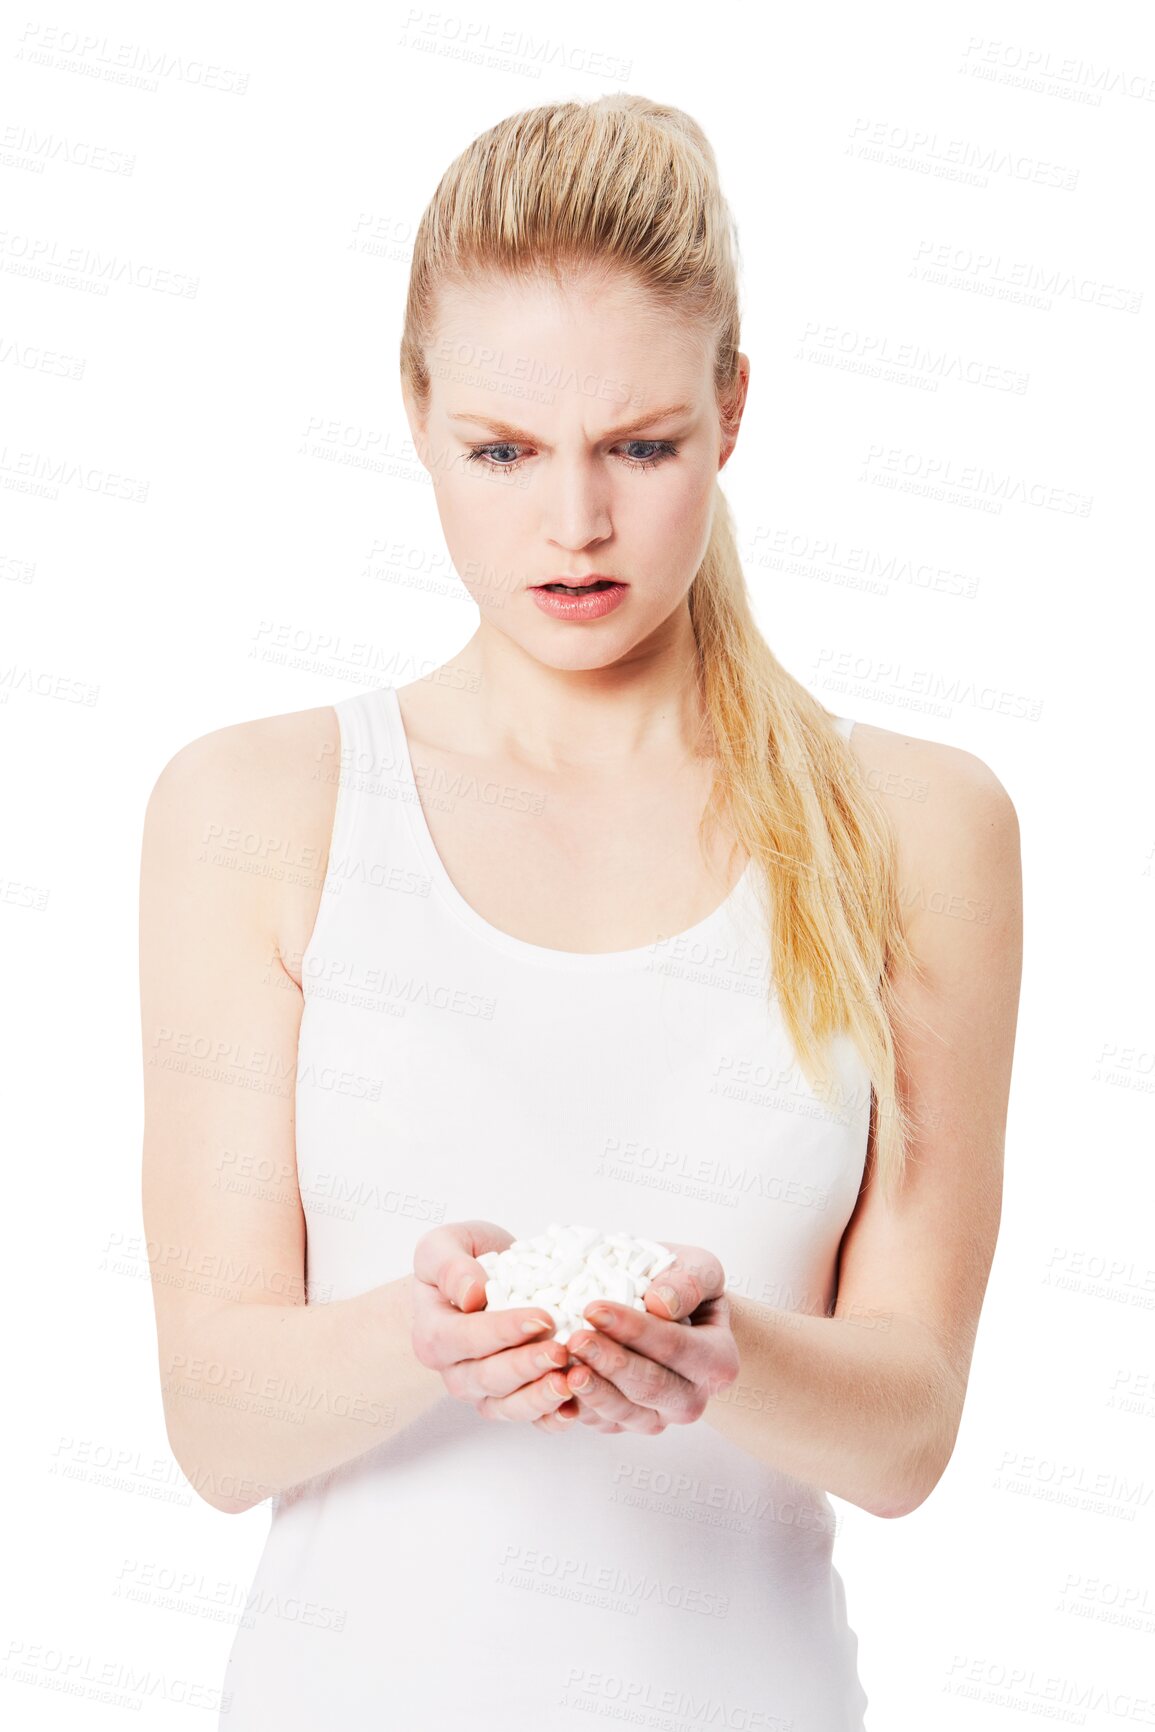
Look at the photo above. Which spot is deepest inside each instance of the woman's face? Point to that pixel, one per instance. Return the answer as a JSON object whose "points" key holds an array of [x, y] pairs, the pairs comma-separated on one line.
{"points": [[557, 449]]}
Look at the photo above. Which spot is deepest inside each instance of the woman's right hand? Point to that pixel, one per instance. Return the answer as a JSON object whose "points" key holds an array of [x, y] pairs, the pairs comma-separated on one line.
{"points": [[485, 1358]]}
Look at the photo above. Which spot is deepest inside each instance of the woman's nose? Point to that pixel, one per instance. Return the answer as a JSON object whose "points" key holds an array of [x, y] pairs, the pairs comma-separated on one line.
{"points": [[576, 507]]}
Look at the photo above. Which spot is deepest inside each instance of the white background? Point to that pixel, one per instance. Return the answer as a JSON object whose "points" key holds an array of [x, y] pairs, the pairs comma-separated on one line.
{"points": [[280, 549]]}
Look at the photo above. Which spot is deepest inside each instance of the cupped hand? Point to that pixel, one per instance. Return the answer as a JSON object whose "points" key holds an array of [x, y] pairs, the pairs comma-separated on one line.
{"points": [[486, 1358], [647, 1369]]}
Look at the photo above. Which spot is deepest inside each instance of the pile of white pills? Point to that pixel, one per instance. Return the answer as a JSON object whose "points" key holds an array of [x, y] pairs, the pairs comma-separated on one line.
{"points": [[566, 1268]]}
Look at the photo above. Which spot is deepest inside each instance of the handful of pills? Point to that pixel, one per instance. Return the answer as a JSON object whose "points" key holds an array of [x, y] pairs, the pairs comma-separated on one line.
{"points": [[566, 1268]]}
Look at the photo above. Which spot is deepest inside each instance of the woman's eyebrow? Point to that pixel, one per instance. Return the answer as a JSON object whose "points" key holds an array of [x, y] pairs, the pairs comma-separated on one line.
{"points": [[505, 431]]}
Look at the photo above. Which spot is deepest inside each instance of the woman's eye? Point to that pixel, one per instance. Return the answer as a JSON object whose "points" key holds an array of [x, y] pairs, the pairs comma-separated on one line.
{"points": [[480, 453], [661, 449]]}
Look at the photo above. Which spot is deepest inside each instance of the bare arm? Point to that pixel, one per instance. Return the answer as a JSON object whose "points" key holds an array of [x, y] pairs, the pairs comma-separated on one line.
{"points": [[859, 1407], [261, 1390], [261, 1397], [867, 1403]]}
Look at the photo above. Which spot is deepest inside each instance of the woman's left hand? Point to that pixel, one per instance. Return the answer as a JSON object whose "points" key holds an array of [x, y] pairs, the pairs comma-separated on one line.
{"points": [[649, 1369]]}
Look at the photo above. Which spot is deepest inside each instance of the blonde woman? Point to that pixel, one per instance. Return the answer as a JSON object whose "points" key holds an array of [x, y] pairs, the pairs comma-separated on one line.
{"points": [[618, 926]]}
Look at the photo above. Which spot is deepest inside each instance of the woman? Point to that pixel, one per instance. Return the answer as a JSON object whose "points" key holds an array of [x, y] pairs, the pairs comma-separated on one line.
{"points": [[620, 926]]}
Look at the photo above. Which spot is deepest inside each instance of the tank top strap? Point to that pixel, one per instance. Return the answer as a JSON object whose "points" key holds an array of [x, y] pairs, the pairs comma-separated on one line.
{"points": [[368, 747], [371, 845], [366, 763]]}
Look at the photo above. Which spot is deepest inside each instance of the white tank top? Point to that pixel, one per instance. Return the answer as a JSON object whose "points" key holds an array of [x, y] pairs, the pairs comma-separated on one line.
{"points": [[474, 1574]]}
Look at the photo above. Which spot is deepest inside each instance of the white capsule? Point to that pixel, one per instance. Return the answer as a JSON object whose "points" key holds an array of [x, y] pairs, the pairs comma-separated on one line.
{"points": [[564, 1272], [567, 1267]]}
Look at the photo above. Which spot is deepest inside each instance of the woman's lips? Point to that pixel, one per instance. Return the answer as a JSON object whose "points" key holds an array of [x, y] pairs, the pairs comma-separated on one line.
{"points": [[590, 602]]}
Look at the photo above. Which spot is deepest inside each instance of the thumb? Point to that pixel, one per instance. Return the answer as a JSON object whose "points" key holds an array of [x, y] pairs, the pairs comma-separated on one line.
{"points": [[446, 1256], [463, 1278]]}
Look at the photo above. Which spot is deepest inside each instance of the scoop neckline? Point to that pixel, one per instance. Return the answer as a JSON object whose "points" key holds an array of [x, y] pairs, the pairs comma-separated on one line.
{"points": [[579, 960]]}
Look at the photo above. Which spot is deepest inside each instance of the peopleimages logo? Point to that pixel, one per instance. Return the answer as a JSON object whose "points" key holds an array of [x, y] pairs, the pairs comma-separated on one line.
{"points": [[963, 159], [1035, 68], [996, 486], [990, 274]]}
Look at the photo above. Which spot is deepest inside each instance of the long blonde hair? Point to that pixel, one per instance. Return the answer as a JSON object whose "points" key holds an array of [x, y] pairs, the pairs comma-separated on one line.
{"points": [[628, 183]]}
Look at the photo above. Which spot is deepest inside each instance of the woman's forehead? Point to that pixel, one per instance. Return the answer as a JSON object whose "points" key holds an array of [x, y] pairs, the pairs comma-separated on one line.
{"points": [[530, 337]]}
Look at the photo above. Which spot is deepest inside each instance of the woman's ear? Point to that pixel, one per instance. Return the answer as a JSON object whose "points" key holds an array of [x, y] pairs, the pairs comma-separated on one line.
{"points": [[732, 408]]}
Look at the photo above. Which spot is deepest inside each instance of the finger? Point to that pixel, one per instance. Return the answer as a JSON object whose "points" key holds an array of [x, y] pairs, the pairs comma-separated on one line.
{"points": [[681, 1350], [562, 1418], [590, 1416], [462, 1281], [445, 1336], [458, 1337], [643, 1382], [503, 1373], [447, 1256], [531, 1401], [680, 1289], [609, 1403], [682, 1373]]}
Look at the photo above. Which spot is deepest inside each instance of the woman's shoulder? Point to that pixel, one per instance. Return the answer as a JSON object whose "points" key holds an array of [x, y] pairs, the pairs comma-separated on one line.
{"points": [[910, 768], [955, 825], [258, 796], [269, 770]]}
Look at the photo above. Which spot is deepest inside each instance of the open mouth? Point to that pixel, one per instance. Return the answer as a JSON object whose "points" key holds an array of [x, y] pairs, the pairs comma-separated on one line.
{"points": [[577, 588]]}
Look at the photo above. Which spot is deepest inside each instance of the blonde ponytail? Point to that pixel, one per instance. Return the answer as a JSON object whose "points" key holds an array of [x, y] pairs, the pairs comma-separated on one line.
{"points": [[633, 183]]}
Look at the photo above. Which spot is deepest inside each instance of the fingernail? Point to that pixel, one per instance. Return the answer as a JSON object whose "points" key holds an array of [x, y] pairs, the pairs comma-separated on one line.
{"points": [[669, 1298], [534, 1326], [581, 1381], [601, 1317], [464, 1295]]}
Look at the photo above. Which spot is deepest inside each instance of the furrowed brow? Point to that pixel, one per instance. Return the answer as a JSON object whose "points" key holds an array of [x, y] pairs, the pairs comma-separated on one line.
{"points": [[503, 430]]}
